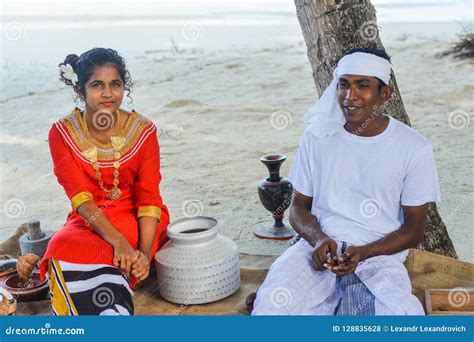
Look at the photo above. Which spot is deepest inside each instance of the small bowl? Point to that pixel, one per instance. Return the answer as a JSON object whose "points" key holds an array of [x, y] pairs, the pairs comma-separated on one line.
{"points": [[27, 290]]}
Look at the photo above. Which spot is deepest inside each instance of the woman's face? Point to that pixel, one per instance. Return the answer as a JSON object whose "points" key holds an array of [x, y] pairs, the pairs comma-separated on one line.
{"points": [[104, 90]]}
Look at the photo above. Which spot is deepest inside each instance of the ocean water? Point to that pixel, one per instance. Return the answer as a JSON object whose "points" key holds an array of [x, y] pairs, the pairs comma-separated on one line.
{"points": [[233, 12], [36, 32]]}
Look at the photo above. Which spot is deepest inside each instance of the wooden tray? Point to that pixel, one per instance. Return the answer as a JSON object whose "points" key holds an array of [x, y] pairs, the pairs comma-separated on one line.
{"points": [[449, 302], [148, 301]]}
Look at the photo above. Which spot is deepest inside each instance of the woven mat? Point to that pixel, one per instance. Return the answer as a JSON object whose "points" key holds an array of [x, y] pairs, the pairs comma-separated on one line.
{"points": [[426, 270], [147, 300], [253, 269]]}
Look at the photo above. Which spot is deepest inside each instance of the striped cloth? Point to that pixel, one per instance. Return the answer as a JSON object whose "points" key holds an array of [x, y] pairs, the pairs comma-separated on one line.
{"points": [[88, 289], [356, 299]]}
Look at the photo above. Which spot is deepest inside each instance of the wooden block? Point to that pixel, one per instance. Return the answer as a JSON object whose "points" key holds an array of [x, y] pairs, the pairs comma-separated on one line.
{"points": [[449, 302]]}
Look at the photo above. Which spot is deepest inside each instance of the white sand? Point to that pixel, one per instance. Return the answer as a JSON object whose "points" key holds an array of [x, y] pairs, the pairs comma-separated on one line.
{"points": [[214, 108]]}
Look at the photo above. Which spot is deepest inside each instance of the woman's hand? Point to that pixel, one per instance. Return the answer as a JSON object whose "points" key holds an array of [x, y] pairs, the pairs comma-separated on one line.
{"points": [[124, 256], [141, 268]]}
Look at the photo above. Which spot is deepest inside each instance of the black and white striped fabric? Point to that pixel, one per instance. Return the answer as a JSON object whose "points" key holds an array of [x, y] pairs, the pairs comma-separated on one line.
{"points": [[88, 289]]}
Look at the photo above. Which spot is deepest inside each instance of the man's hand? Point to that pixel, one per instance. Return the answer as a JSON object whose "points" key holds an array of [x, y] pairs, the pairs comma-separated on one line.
{"points": [[325, 252], [347, 262], [141, 268]]}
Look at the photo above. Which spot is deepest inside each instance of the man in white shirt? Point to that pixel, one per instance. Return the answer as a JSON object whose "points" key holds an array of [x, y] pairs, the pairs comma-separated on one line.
{"points": [[363, 182]]}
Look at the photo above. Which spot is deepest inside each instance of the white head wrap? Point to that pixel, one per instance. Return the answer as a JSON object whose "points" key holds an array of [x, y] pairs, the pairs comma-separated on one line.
{"points": [[325, 117]]}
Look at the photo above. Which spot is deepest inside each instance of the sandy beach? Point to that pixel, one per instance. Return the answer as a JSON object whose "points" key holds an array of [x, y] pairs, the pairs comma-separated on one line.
{"points": [[222, 99]]}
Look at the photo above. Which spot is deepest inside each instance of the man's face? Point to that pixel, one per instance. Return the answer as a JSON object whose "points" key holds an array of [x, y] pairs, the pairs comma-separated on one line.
{"points": [[359, 97]]}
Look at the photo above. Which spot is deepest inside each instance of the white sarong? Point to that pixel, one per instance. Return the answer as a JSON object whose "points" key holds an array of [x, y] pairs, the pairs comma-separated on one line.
{"points": [[294, 287]]}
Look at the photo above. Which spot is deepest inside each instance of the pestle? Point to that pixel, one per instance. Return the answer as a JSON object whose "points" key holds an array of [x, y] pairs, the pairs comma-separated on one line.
{"points": [[34, 230], [35, 240]]}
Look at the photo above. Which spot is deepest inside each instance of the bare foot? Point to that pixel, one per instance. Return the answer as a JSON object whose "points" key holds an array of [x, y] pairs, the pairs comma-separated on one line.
{"points": [[249, 300]]}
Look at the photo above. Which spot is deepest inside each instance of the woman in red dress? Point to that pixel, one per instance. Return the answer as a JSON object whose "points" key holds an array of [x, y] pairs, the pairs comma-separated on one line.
{"points": [[108, 162]]}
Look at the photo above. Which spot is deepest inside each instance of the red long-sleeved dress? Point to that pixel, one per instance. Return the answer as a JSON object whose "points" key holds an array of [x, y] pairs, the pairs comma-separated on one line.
{"points": [[139, 178]]}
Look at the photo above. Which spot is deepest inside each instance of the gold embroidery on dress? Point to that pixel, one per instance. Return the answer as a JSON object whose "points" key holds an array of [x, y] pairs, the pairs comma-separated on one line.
{"points": [[117, 142], [129, 136], [91, 154]]}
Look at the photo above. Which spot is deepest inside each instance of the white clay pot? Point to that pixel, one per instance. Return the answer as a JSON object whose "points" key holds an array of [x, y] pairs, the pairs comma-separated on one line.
{"points": [[197, 265]]}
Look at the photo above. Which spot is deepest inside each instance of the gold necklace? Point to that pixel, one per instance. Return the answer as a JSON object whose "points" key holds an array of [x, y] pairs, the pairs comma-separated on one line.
{"points": [[91, 154]]}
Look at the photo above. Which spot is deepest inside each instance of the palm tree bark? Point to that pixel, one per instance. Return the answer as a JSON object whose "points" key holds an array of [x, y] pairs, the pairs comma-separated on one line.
{"points": [[332, 28]]}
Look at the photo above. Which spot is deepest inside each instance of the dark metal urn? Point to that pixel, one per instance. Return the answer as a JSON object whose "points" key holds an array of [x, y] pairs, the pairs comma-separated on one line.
{"points": [[275, 194]]}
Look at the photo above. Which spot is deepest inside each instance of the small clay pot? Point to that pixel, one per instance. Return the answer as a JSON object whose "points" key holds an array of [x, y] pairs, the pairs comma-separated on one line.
{"points": [[26, 290]]}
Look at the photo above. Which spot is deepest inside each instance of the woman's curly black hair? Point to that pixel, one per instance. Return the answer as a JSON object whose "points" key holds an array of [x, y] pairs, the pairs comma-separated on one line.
{"points": [[85, 65]]}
